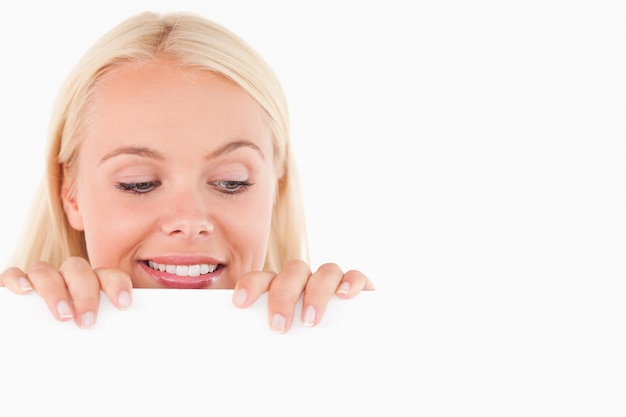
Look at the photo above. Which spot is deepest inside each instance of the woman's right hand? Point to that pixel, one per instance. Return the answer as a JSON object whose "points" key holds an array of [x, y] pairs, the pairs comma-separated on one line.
{"points": [[72, 291]]}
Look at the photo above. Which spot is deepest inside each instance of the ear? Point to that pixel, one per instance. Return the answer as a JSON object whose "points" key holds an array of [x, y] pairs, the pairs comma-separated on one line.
{"points": [[70, 203]]}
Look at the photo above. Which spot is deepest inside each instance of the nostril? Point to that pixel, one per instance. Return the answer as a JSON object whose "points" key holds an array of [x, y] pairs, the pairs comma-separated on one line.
{"points": [[189, 228]]}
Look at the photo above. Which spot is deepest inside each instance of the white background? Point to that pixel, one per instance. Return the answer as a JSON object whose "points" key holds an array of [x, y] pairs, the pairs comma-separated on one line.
{"points": [[470, 157]]}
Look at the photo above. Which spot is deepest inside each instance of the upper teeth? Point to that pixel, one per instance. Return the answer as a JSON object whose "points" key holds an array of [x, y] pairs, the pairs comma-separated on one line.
{"points": [[184, 270]]}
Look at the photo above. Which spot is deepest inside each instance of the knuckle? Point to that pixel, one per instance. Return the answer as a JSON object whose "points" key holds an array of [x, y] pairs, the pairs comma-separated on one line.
{"points": [[297, 265], [12, 272], [330, 268], [38, 267], [355, 275], [73, 262], [294, 262]]}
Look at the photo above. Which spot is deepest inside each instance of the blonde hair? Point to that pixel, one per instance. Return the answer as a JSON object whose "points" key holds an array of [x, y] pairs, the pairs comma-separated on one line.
{"points": [[194, 43]]}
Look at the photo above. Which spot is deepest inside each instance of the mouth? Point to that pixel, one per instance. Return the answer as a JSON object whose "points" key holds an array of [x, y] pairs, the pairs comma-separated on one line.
{"points": [[183, 275]]}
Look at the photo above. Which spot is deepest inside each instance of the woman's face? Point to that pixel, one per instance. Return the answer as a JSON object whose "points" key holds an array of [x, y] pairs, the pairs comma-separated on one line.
{"points": [[176, 179]]}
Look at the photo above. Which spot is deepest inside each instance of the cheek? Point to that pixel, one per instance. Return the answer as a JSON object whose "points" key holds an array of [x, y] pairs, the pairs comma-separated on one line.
{"points": [[248, 229], [111, 230]]}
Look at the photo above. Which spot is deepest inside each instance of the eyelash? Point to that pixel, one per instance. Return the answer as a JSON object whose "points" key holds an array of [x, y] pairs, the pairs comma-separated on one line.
{"points": [[137, 187], [144, 187], [239, 186]]}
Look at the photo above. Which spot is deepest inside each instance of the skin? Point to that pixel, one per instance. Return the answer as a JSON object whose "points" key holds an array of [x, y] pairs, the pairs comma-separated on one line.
{"points": [[177, 168]]}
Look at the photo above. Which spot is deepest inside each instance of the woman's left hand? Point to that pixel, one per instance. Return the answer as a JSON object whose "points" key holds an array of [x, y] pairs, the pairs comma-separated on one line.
{"points": [[295, 280]]}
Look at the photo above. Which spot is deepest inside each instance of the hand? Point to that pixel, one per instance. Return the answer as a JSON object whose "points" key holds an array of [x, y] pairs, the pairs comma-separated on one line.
{"points": [[72, 291], [296, 279]]}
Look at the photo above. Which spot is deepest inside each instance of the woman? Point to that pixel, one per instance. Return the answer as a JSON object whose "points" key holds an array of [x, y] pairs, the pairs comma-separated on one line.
{"points": [[169, 166]]}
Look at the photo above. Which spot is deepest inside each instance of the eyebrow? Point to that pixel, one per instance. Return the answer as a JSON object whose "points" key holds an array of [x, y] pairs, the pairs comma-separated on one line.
{"points": [[133, 150], [232, 147], [159, 156]]}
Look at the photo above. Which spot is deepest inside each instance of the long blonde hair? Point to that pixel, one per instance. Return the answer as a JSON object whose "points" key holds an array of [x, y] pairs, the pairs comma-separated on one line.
{"points": [[195, 43]]}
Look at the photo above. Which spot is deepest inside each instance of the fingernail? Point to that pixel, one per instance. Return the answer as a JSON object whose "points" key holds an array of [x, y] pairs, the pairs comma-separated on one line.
{"points": [[64, 310], [87, 320], [124, 300], [344, 288], [240, 296], [309, 316], [278, 323], [24, 284]]}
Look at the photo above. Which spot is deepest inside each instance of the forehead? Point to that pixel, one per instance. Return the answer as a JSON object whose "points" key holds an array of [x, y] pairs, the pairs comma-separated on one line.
{"points": [[157, 97], [164, 81]]}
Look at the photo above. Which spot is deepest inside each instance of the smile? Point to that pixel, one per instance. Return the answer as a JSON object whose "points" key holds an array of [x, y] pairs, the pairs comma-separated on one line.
{"points": [[183, 270]]}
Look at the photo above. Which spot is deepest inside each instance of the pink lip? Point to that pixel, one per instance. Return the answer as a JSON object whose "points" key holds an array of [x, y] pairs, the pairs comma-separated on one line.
{"points": [[175, 281]]}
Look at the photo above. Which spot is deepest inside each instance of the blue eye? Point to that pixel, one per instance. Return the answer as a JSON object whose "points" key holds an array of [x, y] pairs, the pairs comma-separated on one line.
{"points": [[137, 187], [232, 187]]}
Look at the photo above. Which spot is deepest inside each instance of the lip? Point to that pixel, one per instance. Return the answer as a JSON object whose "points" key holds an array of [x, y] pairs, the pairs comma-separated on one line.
{"points": [[174, 281]]}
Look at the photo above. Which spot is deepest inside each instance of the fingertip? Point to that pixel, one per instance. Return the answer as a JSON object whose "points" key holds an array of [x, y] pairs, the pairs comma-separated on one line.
{"points": [[64, 311], [124, 300], [240, 297], [117, 285], [24, 284], [87, 320], [309, 316], [250, 286], [16, 281], [354, 282], [344, 289], [278, 323]]}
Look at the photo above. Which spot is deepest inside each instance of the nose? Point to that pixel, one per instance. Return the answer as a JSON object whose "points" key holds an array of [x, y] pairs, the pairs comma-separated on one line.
{"points": [[186, 217]]}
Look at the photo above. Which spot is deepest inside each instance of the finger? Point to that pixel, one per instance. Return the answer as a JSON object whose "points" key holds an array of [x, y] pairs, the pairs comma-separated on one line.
{"points": [[320, 288], [16, 281], [117, 285], [50, 285], [352, 283], [250, 286], [84, 288], [285, 291]]}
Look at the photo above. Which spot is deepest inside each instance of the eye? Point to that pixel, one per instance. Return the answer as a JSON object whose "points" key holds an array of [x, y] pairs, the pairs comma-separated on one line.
{"points": [[232, 187], [137, 187]]}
